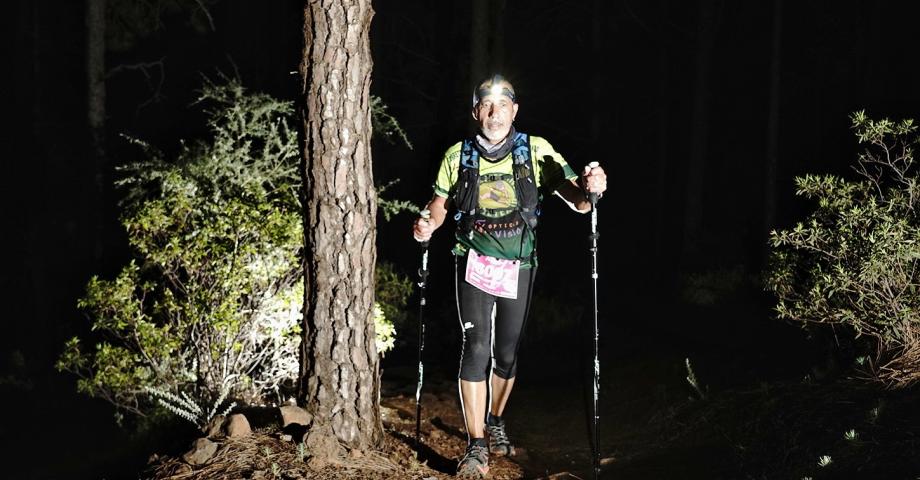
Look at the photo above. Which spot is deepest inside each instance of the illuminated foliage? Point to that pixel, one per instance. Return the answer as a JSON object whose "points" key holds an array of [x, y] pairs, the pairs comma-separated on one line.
{"points": [[212, 304], [854, 261]]}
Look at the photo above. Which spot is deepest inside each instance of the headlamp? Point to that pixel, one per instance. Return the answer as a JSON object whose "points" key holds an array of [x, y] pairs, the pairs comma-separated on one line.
{"points": [[494, 85]]}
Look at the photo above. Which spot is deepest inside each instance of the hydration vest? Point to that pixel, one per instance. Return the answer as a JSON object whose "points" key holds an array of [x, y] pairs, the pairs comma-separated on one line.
{"points": [[466, 196]]}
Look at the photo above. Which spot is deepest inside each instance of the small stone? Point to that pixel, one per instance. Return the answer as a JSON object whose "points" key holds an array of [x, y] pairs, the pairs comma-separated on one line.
{"points": [[291, 414], [213, 428], [238, 426], [356, 453], [202, 451], [284, 437], [317, 463], [388, 414]]}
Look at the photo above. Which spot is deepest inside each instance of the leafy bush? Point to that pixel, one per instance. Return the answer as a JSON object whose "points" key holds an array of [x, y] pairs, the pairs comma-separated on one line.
{"points": [[392, 291], [212, 305], [853, 262]]}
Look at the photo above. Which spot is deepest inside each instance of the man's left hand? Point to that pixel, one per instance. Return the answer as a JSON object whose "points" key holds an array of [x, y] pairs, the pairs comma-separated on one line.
{"points": [[594, 180]]}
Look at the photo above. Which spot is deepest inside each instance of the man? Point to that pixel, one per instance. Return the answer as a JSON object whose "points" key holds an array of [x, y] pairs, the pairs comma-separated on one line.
{"points": [[494, 181]]}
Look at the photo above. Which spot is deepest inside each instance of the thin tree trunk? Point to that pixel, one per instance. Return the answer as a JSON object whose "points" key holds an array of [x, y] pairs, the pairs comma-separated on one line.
{"points": [[663, 139], [339, 367], [597, 86], [487, 40], [699, 133], [769, 201], [496, 51], [95, 113], [37, 97], [479, 41]]}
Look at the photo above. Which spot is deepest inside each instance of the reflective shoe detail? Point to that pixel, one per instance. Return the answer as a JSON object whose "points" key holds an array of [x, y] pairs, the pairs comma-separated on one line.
{"points": [[499, 444], [475, 463]]}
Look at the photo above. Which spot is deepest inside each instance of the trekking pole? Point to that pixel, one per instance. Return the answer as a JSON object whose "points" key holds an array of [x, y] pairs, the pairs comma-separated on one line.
{"points": [[422, 283], [592, 197]]}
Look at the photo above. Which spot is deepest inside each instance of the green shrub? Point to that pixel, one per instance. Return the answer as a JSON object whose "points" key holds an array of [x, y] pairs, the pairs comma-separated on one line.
{"points": [[392, 291], [853, 263], [212, 304]]}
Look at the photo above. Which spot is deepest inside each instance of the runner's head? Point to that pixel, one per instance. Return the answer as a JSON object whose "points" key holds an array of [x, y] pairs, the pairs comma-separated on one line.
{"points": [[494, 107]]}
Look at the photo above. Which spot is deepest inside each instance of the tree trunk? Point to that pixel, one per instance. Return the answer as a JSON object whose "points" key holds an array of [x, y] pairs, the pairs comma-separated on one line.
{"points": [[663, 134], [497, 37], [37, 99], [479, 42], [95, 114], [597, 84], [487, 39], [769, 200], [339, 362], [699, 133]]}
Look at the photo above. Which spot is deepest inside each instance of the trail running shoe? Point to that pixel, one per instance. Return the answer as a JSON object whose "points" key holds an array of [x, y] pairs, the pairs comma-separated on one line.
{"points": [[499, 444], [475, 463]]}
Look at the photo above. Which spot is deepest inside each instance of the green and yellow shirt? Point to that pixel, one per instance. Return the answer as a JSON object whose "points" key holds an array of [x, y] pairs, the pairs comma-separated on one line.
{"points": [[496, 233]]}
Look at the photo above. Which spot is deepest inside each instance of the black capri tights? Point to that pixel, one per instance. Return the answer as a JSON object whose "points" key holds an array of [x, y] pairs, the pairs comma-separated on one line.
{"points": [[475, 310]]}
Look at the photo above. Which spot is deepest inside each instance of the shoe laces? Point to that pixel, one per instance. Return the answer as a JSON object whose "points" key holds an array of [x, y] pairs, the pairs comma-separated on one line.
{"points": [[497, 434], [478, 452]]}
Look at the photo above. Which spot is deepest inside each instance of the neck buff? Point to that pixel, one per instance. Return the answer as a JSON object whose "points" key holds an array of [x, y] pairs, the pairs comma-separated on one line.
{"points": [[497, 151]]}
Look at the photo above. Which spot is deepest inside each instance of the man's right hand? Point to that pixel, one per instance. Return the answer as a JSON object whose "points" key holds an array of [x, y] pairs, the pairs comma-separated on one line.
{"points": [[430, 218], [422, 229]]}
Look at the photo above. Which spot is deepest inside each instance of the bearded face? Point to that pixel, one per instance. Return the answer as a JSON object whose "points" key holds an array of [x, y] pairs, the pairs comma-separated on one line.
{"points": [[495, 113]]}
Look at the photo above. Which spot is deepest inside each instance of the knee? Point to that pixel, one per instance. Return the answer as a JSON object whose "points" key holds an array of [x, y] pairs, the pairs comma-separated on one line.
{"points": [[505, 367], [475, 363]]}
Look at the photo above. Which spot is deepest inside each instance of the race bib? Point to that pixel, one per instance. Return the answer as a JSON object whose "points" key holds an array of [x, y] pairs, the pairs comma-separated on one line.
{"points": [[495, 276]]}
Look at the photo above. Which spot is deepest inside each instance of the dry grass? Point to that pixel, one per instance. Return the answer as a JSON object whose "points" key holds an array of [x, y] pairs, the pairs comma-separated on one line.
{"points": [[265, 456]]}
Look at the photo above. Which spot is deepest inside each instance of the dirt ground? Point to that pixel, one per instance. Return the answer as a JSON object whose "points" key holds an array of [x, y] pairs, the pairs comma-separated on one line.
{"points": [[443, 438], [757, 415], [266, 455], [781, 429]]}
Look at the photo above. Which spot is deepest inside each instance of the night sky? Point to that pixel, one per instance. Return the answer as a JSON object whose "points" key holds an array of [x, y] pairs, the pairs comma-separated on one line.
{"points": [[632, 85]]}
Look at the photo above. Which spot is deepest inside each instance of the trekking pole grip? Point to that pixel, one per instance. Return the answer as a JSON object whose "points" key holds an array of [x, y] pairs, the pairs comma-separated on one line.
{"points": [[426, 215], [592, 196]]}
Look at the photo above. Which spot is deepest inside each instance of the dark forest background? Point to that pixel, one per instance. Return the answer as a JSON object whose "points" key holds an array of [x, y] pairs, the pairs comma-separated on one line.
{"points": [[701, 112]]}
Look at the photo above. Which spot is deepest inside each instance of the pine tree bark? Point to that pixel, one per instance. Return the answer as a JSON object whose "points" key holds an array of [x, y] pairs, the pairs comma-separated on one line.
{"points": [[339, 361]]}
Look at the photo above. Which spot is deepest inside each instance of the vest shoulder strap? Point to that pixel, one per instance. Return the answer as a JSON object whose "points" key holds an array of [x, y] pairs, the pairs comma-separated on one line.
{"points": [[525, 182], [466, 193]]}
